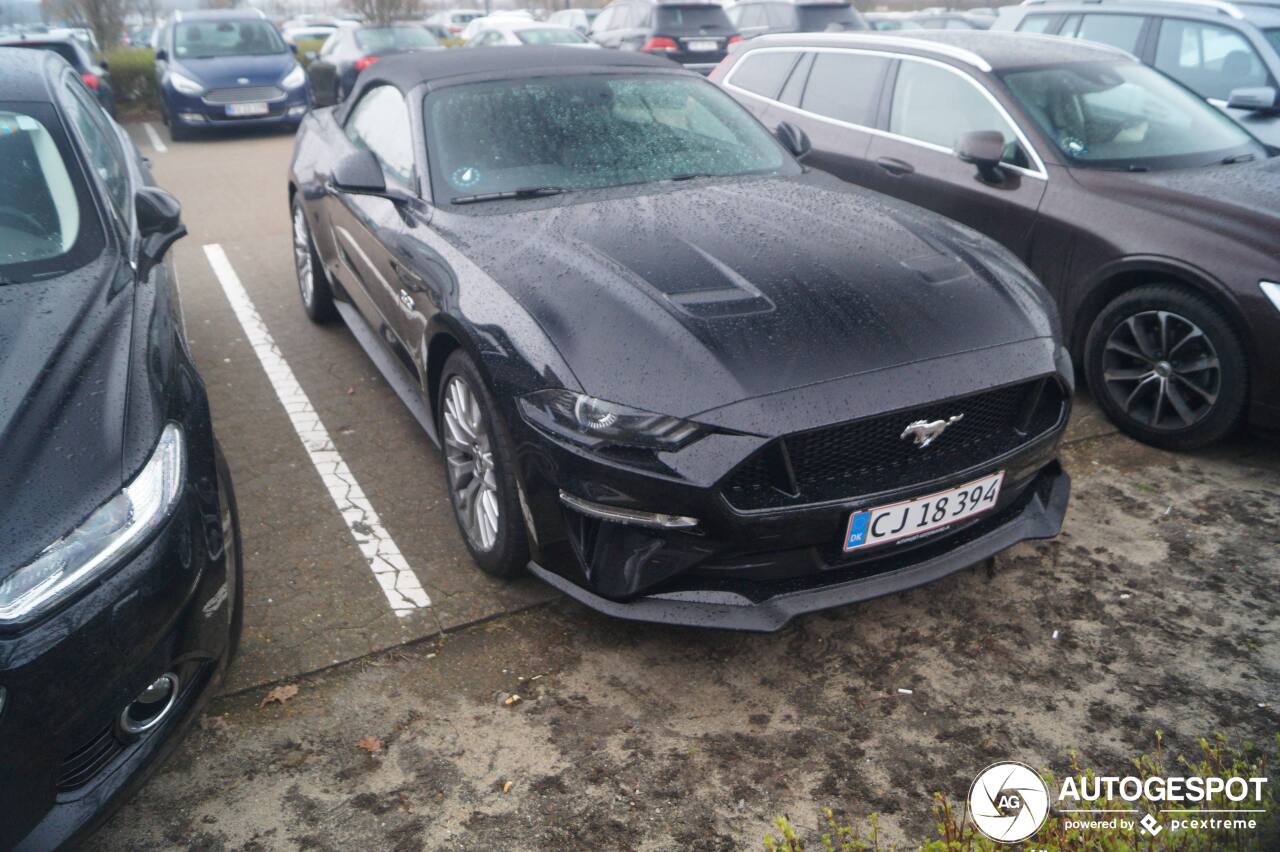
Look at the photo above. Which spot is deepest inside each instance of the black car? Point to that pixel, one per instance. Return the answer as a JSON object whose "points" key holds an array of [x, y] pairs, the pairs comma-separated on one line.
{"points": [[674, 373], [695, 34], [350, 50], [120, 576], [93, 72], [1150, 215], [758, 17]]}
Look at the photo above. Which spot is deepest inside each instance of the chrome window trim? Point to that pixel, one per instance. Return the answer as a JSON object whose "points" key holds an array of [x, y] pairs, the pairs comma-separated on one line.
{"points": [[1039, 172], [850, 41]]}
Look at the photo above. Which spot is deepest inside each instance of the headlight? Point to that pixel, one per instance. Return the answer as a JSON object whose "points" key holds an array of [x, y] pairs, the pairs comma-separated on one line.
{"points": [[109, 535], [294, 78], [593, 422], [185, 84]]}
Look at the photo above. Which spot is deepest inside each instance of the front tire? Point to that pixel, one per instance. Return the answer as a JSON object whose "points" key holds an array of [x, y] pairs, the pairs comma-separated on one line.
{"points": [[1167, 367], [480, 467], [313, 283]]}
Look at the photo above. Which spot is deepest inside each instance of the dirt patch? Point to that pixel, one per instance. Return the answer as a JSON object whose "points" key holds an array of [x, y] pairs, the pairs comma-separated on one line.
{"points": [[1161, 591]]}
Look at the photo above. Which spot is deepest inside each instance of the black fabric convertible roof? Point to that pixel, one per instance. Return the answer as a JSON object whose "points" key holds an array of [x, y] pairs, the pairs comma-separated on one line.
{"points": [[406, 70]]}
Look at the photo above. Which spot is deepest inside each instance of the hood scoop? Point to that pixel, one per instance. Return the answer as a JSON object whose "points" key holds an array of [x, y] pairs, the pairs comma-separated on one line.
{"points": [[694, 282]]}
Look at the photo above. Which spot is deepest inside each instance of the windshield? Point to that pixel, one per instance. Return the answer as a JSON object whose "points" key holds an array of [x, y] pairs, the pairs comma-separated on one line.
{"points": [[815, 19], [579, 132], [550, 36], [208, 39], [1126, 116], [394, 38], [42, 232]]}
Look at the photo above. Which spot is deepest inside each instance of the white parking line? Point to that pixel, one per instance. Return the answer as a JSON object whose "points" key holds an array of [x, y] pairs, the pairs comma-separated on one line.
{"points": [[403, 590], [156, 142]]}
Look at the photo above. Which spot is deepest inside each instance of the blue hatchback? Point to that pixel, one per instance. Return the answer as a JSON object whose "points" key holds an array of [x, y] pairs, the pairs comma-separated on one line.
{"points": [[227, 68]]}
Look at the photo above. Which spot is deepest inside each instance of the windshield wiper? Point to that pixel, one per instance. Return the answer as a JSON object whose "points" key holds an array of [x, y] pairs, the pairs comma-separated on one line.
{"points": [[1238, 158], [523, 192]]}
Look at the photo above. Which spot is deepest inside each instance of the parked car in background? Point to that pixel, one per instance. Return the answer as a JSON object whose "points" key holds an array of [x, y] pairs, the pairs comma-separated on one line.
{"points": [[84, 35], [890, 21], [757, 17], [579, 19], [94, 74], [875, 405], [349, 51], [227, 68], [1150, 215], [121, 587], [696, 35], [455, 20], [473, 26], [520, 33], [1227, 53], [953, 21], [293, 35]]}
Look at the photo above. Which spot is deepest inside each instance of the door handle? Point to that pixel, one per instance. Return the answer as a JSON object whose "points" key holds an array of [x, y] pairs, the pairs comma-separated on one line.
{"points": [[406, 300], [895, 167]]}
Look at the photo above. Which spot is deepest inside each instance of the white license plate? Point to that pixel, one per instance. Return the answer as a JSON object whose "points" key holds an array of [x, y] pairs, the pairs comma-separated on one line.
{"points": [[911, 518], [702, 45], [241, 110]]}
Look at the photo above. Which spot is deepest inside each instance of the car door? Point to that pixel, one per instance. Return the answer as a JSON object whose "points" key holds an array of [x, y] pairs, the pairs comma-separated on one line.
{"points": [[930, 106], [364, 225], [837, 107]]}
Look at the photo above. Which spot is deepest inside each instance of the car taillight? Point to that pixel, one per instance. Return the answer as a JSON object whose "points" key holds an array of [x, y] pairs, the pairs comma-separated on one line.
{"points": [[90, 80], [659, 44], [365, 61], [734, 39]]}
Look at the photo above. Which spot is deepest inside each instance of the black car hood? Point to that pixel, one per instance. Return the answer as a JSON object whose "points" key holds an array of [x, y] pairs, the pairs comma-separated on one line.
{"points": [[64, 363], [699, 295], [1240, 201]]}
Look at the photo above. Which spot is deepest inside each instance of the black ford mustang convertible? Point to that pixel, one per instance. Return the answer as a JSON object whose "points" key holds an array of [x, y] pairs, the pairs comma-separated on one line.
{"points": [[674, 373]]}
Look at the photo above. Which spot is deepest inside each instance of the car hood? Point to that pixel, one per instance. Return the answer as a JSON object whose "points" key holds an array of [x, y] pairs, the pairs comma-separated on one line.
{"points": [[64, 365], [220, 71], [699, 295], [1240, 201]]}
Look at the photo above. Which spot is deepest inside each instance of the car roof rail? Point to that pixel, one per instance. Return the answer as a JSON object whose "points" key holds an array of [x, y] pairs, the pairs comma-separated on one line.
{"points": [[865, 38], [1229, 9]]}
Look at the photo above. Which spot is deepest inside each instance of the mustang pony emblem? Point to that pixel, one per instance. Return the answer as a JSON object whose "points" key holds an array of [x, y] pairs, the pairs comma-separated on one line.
{"points": [[924, 431]]}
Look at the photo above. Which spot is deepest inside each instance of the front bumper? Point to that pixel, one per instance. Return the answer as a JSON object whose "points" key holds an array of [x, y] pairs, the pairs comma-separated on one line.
{"points": [[193, 111], [768, 605], [67, 760]]}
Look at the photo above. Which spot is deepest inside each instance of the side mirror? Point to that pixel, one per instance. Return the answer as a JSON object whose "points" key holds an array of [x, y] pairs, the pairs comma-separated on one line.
{"points": [[794, 140], [359, 172], [293, 48], [1261, 98], [159, 225], [162, 55], [984, 149]]}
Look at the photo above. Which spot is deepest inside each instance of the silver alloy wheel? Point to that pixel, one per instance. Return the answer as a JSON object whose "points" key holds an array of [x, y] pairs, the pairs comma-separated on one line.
{"points": [[302, 255], [1162, 370], [468, 453]]}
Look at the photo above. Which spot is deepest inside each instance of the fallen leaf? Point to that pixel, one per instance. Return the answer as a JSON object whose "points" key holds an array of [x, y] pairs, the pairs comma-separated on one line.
{"points": [[371, 744], [279, 695], [506, 787], [511, 700]]}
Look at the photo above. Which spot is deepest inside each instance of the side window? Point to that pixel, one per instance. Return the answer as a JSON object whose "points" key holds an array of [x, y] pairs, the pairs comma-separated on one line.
{"points": [[101, 146], [380, 123], [1037, 24], [792, 92], [934, 105], [844, 86], [763, 72], [1120, 31], [1208, 58]]}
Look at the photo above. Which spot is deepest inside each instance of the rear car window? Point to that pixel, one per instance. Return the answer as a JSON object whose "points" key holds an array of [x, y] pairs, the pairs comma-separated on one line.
{"points": [[844, 86], [394, 38], [763, 72], [1120, 31], [691, 18], [47, 226]]}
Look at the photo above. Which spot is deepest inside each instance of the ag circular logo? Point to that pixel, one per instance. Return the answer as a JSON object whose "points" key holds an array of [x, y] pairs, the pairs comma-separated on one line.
{"points": [[1008, 801]]}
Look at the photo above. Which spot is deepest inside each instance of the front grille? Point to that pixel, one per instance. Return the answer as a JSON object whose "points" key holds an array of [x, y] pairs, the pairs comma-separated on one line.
{"points": [[243, 95], [84, 763], [870, 455]]}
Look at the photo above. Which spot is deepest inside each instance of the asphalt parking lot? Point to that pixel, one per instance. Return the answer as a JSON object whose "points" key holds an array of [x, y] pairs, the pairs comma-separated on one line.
{"points": [[1157, 608]]}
